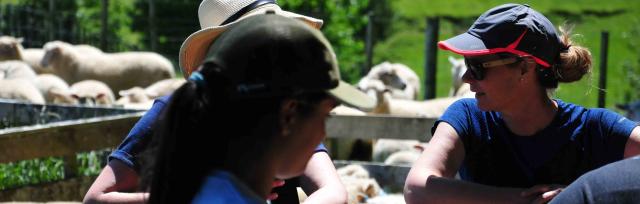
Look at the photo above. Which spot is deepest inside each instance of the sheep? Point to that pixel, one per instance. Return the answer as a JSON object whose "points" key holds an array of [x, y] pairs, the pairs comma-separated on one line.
{"points": [[118, 70], [386, 104], [139, 98], [14, 69], [21, 90], [358, 184], [399, 78], [161, 88], [46, 83], [87, 92], [359, 190], [10, 48], [33, 57], [459, 88], [403, 158], [383, 148]]}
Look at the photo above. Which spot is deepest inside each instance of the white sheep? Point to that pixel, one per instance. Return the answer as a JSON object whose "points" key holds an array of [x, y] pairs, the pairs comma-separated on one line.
{"points": [[386, 104], [87, 92], [403, 158], [14, 69], [400, 79], [46, 83], [358, 184], [118, 70], [33, 56], [21, 90], [459, 88], [139, 98], [383, 148], [10, 48]]}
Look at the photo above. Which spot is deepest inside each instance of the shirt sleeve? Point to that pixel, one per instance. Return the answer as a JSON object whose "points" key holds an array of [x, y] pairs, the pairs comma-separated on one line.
{"points": [[138, 138], [457, 115], [321, 148], [613, 131]]}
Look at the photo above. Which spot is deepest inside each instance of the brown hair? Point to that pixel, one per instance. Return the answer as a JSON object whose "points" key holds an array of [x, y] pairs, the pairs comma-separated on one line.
{"points": [[574, 61]]}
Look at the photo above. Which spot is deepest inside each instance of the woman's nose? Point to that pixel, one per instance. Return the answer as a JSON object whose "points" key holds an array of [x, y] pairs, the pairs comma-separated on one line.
{"points": [[467, 77]]}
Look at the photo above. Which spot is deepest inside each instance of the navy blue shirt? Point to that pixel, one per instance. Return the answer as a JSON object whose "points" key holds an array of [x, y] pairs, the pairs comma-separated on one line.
{"points": [[576, 141], [139, 136], [224, 187]]}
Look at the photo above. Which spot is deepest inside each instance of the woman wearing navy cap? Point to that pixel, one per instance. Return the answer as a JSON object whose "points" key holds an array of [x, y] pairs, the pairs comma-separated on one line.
{"points": [[513, 142]]}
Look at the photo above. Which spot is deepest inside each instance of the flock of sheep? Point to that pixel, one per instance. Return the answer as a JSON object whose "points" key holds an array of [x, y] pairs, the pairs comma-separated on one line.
{"points": [[62, 73]]}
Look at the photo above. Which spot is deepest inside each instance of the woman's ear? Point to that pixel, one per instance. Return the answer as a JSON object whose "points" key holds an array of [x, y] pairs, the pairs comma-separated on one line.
{"points": [[287, 115]]}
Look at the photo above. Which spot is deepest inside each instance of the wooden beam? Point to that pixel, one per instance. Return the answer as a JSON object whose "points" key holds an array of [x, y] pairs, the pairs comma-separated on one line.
{"points": [[380, 126], [68, 138], [64, 138]]}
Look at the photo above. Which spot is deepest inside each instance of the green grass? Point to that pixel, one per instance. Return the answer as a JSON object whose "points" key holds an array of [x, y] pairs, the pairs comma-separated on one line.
{"points": [[29, 172]]}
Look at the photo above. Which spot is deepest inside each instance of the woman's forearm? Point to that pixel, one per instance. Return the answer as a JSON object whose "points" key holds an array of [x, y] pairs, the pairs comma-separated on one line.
{"points": [[436, 189]]}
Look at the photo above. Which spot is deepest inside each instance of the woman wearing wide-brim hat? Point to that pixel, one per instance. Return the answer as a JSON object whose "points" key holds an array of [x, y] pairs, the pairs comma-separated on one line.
{"points": [[118, 182]]}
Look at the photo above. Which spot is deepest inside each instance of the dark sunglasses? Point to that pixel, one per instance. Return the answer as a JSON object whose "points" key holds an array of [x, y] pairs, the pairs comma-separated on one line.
{"points": [[477, 67]]}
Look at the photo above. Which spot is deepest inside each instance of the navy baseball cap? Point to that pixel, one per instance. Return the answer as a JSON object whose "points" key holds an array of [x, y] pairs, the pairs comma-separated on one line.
{"points": [[510, 28]]}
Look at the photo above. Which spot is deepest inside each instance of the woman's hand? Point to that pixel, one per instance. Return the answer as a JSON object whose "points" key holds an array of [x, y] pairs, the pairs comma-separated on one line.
{"points": [[276, 183], [542, 193]]}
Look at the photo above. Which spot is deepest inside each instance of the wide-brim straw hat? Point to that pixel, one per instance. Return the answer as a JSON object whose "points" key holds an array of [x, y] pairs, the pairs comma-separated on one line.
{"points": [[214, 15]]}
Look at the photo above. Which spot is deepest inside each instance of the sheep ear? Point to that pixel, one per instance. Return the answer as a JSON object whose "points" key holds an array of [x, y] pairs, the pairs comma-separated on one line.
{"points": [[124, 93], [420, 147], [19, 40]]}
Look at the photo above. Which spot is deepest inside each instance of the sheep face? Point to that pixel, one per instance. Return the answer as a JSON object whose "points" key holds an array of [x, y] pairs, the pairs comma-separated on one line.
{"points": [[393, 80], [458, 68], [10, 48], [133, 95], [85, 100]]}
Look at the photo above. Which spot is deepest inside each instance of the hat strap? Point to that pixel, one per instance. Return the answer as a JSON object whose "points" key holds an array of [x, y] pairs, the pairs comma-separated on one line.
{"points": [[246, 9]]}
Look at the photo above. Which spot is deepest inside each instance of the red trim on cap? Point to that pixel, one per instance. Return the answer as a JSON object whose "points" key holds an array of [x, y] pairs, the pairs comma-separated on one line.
{"points": [[511, 48]]}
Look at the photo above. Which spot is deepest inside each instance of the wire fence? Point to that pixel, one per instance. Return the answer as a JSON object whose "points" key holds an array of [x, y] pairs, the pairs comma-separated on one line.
{"points": [[37, 26]]}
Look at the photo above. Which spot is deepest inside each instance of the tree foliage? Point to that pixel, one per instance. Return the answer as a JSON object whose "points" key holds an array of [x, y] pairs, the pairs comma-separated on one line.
{"points": [[344, 24]]}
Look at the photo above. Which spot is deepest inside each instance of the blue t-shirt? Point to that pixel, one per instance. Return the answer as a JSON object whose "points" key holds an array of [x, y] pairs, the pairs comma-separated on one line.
{"points": [[139, 136], [223, 187], [576, 141]]}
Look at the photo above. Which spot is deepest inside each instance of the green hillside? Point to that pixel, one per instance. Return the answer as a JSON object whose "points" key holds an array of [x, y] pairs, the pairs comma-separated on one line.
{"points": [[588, 17]]}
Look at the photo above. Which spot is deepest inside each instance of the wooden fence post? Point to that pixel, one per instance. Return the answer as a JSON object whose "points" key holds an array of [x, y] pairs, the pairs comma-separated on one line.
{"points": [[431, 59]]}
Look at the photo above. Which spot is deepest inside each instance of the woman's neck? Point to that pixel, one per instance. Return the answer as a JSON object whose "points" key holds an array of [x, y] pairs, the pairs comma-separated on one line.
{"points": [[255, 172], [528, 117]]}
